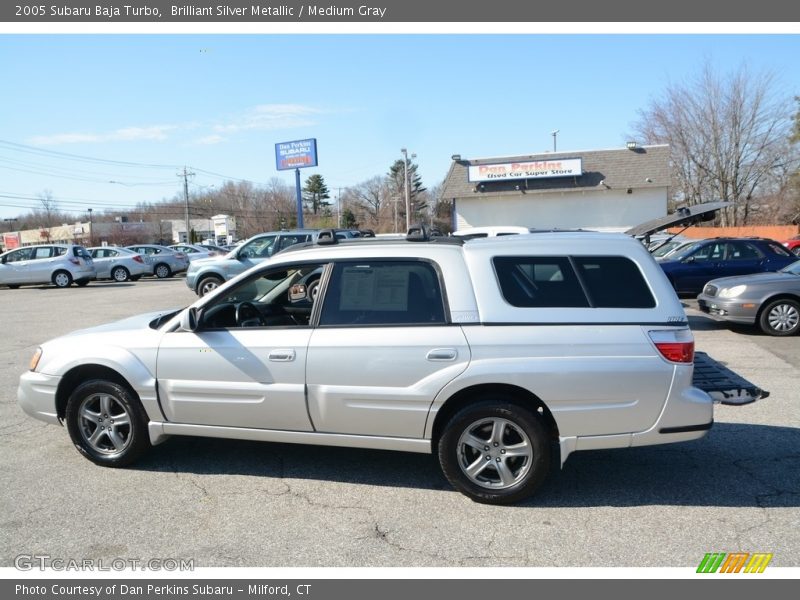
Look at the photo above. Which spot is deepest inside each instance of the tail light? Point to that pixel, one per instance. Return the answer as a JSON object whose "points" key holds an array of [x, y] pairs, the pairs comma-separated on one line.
{"points": [[138, 259], [675, 345]]}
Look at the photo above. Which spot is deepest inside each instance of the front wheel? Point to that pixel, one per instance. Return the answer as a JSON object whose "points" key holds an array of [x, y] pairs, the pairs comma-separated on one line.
{"points": [[495, 452], [208, 284], [107, 423], [780, 317]]}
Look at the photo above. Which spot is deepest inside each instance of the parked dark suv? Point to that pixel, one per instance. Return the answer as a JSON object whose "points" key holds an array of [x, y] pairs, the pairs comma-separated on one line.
{"points": [[689, 270]]}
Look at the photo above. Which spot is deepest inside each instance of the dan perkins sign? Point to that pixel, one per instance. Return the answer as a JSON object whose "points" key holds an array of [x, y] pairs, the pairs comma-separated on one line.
{"points": [[535, 169], [296, 154]]}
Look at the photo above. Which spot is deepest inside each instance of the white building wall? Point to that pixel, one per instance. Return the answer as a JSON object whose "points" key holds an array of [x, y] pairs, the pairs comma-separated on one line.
{"points": [[601, 209]]}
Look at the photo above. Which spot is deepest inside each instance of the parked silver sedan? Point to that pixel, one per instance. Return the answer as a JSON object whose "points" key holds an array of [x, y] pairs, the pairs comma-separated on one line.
{"points": [[164, 262], [195, 251], [769, 300], [119, 264]]}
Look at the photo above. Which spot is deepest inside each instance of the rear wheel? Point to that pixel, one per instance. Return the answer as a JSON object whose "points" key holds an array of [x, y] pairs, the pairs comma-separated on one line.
{"points": [[780, 317], [62, 279], [208, 284], [162, 271], [120, 274], [495, 451], [107, 423]]}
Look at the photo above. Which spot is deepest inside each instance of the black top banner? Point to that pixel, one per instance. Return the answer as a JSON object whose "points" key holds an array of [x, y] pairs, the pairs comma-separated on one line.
{"points": [[393, 11]]}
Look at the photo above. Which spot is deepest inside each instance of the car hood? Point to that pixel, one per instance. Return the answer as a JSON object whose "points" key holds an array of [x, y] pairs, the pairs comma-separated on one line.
{"points": [[753, 279], [130, 324]]}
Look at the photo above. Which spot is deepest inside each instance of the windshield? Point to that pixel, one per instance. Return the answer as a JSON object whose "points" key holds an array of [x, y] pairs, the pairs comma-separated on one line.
{"points": [[793, 268]]}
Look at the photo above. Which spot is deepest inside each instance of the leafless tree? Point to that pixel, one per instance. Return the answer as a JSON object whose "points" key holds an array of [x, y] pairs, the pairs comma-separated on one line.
{"points": [[729, 136], [370, 198]]}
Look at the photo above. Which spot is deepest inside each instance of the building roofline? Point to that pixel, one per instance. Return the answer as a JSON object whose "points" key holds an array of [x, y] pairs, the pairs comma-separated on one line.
{"points": [[560, 153]]}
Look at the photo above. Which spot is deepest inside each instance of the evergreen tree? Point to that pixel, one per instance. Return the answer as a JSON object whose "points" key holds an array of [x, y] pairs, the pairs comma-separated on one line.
{"points": [[397, 184], [349, 219], [315, 193]]}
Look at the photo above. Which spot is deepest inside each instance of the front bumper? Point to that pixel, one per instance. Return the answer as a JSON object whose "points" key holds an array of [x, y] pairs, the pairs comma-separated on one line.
{"points": [[36, 395], [736, 310]]}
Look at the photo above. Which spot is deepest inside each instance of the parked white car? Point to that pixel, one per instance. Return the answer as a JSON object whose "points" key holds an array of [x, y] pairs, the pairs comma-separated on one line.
{"points": [[119, 264], [59, 264], [491, 354]]}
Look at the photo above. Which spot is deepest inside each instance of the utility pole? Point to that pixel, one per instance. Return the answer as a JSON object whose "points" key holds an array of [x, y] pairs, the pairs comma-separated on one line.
{"points": [[91, 233], [185, 176], [339, 208], [554, 134], [405, 173]]}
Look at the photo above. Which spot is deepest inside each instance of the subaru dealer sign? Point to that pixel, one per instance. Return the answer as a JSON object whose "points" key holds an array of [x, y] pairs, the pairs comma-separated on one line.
{"points": [[296, 155]]}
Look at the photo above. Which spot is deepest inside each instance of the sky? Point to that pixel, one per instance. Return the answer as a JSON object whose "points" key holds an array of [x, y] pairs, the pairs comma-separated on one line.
{"points": [[104, 121]]}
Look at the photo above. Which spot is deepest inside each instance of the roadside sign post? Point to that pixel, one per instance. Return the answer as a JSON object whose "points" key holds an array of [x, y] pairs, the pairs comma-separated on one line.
{"points": [[296, 155]]}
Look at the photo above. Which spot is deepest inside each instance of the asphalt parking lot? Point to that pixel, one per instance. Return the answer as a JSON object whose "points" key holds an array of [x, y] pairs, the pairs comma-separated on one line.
{"points": [[234, 503]]}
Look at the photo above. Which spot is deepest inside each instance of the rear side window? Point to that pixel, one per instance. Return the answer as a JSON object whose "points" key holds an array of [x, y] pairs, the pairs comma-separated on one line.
{"points": [[779, 250], [572, 282], [380, 293], [614, 282], [539, 281]]}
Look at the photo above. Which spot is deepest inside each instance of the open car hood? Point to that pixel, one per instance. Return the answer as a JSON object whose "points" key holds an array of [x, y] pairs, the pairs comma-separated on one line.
{"points": [[686, 215]]}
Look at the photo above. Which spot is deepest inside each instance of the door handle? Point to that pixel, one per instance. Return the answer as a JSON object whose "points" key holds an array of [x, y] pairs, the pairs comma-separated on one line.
{"points": [[282, 355], [442, 354]]}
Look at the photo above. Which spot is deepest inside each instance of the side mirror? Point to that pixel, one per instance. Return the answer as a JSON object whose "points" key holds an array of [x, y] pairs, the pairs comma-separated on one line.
{"points": [[298, 292], [189, 320]]}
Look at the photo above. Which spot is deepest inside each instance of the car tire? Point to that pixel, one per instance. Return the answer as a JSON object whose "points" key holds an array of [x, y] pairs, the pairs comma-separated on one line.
{"points": [[485, 433], [107, 423], [82, 282], [162, 271], [780, 317], [208, 284], [135, 277], [120, 274], [62, 279]]}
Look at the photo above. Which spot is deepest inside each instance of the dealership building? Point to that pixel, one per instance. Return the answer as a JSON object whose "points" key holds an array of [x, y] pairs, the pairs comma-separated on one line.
{"points": [[608, 190]]}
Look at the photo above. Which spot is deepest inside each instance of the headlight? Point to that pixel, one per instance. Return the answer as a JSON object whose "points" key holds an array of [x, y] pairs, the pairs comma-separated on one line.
{"points": [[35, 359], [737, 290]]}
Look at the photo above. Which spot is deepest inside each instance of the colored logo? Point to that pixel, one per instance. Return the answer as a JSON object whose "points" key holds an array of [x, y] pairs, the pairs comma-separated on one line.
{"points": [[735, 562]]}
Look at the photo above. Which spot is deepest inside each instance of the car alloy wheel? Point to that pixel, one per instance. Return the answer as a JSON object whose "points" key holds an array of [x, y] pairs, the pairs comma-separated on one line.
{"points": [[162, 271], [781, 317], [120, 274], [208, 284], [495, 451], [107, 423]]}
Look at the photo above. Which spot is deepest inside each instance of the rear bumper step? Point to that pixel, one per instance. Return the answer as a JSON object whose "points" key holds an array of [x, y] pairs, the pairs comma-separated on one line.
{"points": [[722, 384]]}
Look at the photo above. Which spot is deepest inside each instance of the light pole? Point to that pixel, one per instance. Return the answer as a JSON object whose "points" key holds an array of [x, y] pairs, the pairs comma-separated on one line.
{"points": [[91, 233], [405, 175], [554, 134]]}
